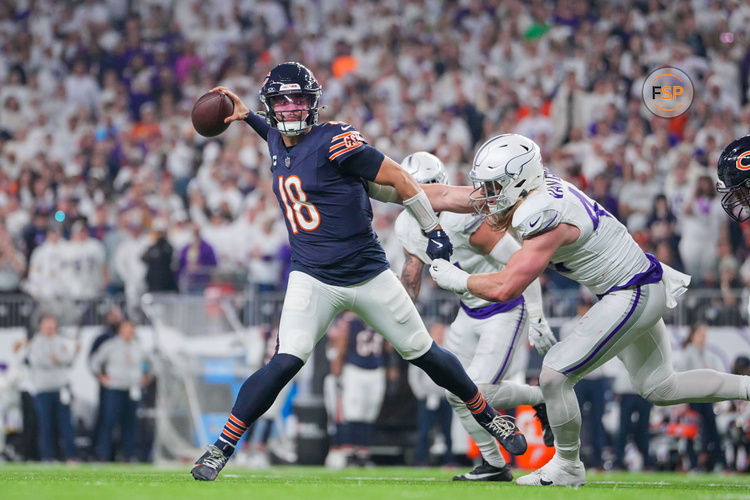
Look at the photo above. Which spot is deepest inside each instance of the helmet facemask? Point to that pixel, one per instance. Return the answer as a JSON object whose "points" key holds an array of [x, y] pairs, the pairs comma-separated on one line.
{"points": [[736, 200], [489, 198], [291, 113]]}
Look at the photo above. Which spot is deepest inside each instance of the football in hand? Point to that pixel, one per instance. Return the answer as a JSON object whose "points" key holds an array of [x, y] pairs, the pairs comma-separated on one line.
{"points": [[209, 112]]}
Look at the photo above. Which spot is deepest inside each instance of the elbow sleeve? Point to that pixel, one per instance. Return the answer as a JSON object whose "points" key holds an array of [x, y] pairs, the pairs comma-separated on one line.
{"points": [[387, 194]]}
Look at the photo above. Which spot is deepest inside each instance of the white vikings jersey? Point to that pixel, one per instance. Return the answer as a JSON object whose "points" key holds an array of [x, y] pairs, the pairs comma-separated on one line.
{"points": [[459, 228], [46, 278], [83, 267], [604, 257]]}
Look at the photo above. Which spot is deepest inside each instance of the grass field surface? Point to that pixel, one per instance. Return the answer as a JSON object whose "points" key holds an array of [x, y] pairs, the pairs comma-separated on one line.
{"points": [[84, 482]]}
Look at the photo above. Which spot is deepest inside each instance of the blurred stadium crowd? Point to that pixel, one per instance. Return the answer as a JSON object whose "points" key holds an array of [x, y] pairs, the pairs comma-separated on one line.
{"points": [[105, 188]]}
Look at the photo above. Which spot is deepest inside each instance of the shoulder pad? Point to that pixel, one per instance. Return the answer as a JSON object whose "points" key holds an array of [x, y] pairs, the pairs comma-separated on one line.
{"points": [[410, 236], [537, 214], [344, 138]]}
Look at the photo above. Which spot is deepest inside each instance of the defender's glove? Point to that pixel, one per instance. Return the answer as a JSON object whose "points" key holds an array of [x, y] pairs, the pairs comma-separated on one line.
{"points": [[449, 276], [439, 245], [540, 335]]}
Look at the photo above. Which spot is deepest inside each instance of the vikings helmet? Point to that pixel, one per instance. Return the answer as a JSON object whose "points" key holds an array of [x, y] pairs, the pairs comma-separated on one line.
{"points": [[426, 168], [504, 170]]}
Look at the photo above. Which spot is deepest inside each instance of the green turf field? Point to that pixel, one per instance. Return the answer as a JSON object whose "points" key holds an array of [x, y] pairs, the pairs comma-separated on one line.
{"points": [[40, 482]]}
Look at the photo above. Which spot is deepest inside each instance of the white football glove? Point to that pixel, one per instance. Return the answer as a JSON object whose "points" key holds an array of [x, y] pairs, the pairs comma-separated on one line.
{"points": [[448, 276], [540, 335]]}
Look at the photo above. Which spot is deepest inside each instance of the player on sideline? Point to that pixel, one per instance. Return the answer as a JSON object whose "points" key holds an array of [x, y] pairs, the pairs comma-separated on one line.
{"points": [[560, 226], [322, 176], [484, 335], [359, 366]]}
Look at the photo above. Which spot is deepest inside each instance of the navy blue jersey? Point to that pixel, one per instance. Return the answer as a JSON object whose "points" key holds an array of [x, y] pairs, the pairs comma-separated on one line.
{"points": [[322, 191], [365, 347]]}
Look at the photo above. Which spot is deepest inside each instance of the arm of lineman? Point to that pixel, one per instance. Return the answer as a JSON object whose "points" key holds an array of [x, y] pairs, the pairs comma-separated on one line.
{"points": [[523, 267], [242, 112], [442, 198], [411, 275], [418, 205], [497, 246], [449, 198]]}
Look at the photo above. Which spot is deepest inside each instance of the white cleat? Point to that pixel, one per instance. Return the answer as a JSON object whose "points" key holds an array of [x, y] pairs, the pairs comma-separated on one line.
{"points": [[557, 472], [336, 459]]}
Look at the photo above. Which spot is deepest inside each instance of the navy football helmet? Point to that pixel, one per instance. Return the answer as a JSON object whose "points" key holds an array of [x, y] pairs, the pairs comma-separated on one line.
{"points": [[734, 179], [293, 83]]}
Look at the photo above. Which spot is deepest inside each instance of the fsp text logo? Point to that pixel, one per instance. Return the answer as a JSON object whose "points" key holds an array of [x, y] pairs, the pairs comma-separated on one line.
{"points": [[667, 92]]}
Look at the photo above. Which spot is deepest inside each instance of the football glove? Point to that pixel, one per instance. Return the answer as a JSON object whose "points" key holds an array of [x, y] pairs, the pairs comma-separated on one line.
{"points": [[448, 276], [439, 245], [541, 337]]}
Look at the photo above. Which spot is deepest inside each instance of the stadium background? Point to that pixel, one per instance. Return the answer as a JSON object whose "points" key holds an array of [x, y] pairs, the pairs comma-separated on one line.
{"points": [[95, 139]]}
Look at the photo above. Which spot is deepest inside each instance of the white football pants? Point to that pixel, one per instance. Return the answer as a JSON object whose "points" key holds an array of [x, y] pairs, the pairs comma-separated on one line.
{"points": [[382, 302], [486, 348], [627, 324]]}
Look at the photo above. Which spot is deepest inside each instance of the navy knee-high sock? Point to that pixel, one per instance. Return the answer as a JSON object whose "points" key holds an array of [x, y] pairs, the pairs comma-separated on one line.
{"points": [[256, 396], [444, 368]]}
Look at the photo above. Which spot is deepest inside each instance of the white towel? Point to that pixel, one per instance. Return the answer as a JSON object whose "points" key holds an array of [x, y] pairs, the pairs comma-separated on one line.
{"points": [[675, 284]]}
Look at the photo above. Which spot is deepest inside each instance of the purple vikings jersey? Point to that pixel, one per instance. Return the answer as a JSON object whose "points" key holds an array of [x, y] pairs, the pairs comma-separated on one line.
{"points": [[321, 187], [365, 347]]}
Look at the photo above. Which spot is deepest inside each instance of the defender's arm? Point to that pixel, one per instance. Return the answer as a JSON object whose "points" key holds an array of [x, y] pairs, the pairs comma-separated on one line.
{"points": [[393, 184], [411, 275], [492, 243], [523, 267], [449, 198]]}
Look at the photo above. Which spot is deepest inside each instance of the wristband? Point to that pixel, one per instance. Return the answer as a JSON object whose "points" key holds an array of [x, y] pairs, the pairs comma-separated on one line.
{"points": [[420, 208]]}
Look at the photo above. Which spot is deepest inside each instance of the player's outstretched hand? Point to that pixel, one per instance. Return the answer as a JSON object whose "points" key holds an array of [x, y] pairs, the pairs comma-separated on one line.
{"points": [[449, 276], [439, 245], [541, 337], [240, 110]]}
